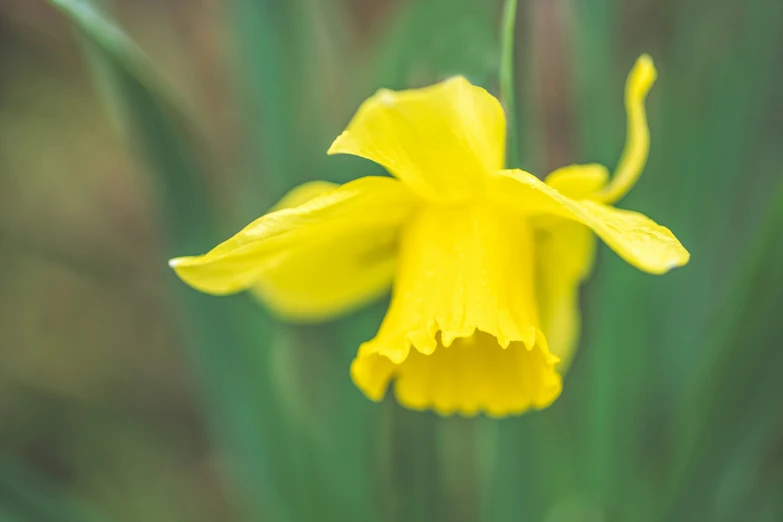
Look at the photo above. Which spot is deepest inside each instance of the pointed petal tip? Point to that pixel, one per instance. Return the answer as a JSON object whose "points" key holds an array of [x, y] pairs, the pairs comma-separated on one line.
{"points": [[385, 97], [337, 145], [681, 260], [458, 78], [186, 261]]}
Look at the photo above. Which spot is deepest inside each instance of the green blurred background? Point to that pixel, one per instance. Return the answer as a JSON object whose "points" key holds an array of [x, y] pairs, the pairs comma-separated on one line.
{"points": [[126, 396]]}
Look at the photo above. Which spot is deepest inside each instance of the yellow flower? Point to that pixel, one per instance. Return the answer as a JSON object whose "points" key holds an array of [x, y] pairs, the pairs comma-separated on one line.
{"points": [[485, 263]]}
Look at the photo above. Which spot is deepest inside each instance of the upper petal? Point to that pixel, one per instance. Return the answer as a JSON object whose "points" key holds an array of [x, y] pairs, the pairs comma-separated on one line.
{"points": [[328, 253], [440, 140], [635, 237]]}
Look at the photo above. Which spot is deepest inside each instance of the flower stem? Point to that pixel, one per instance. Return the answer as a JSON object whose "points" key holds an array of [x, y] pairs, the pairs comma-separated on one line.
{"points": [[507, 81]]}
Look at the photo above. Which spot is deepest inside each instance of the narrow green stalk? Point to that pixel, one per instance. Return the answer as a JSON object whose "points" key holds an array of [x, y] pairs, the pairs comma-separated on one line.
{"points": [[507, 81]]}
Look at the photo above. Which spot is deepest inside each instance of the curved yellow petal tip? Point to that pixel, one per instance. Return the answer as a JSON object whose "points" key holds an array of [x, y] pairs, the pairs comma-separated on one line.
{"points": [[642, 77], [646, 61], [637, 145], [338, 146]]}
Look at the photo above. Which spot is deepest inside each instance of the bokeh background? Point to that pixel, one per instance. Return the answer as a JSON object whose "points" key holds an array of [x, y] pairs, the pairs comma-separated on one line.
{"points": [[131, 131]]}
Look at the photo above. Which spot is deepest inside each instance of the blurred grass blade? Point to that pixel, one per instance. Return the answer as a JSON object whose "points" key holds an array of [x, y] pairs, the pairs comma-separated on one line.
{"points": [[258, 34], [26, 497], [599, 100], [732, 384], [429, 40], [226, 338], [740, 386], [155, 122]]}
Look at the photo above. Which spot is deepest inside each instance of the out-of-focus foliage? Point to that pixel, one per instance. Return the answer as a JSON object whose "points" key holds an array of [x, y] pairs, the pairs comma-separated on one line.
{"points": [[133, 131]]}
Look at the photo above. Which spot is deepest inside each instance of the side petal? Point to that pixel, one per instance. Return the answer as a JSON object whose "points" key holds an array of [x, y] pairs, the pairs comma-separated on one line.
{"points": [[441, 140], [313, 260], [565, 251], [578, 181], [304, 193], [325, 278], [331, 276], [635, 237]]}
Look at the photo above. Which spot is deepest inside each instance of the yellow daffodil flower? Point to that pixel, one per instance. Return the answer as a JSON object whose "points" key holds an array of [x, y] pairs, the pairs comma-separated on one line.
{"points": [[485, 263]]}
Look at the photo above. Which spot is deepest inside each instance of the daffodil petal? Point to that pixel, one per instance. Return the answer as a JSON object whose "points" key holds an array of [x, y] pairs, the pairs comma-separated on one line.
{"points": [[313, 260], [565, 251], [330, 275], [635, 237], [440, 140], [637, 144], [578, 181], [304, 193]]}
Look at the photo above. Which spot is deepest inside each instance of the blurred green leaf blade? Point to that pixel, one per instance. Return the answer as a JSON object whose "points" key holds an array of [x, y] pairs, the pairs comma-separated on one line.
{"points": [[226, 338]]}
